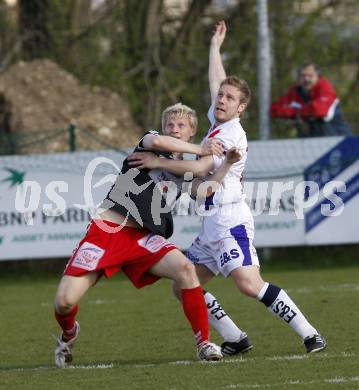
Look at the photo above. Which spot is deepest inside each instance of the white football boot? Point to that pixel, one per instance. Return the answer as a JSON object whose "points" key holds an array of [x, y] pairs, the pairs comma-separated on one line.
{"points": [[63, 350], [209, 351]]}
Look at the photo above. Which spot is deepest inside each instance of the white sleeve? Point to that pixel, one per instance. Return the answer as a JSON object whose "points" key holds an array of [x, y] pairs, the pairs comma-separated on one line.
{"points": [[229, 141], [210, 114]]}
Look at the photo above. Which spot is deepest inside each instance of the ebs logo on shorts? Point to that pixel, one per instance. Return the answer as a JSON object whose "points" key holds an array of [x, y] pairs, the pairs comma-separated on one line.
{"points": [[226, 257]]}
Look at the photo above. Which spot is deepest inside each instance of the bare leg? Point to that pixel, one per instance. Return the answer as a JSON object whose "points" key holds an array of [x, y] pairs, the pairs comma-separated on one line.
{"points": [[71, 289], [204, 275], [248, 280]]}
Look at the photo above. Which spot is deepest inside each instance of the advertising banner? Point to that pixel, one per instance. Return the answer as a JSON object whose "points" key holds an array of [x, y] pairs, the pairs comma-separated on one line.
{"points": [[333, 216], [45, 200], [300, 191]]}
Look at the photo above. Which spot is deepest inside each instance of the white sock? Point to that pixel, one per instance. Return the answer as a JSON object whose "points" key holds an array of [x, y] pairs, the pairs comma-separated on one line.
{"points": [[279, 303], [220, 320]]}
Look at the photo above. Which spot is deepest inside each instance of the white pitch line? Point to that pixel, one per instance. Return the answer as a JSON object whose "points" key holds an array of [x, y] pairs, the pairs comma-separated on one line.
{"points": [[94, 302], [341, 379], [240, 360], [101, 301], [332, 288], [292, 383], [72, 367], [301, 290], [317, 356], [289, 357], [90, 367], [182, 362]]}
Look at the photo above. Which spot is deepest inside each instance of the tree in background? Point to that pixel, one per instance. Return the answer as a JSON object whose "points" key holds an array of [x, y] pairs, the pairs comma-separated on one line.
{"points": [[155, 52], [34, 25], [10, 39]]}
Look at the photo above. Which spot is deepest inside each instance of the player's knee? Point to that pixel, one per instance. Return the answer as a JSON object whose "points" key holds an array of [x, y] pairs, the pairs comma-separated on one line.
{"points": [[187, 272], [64, 304], [248, 287], [248, 281], [187, 269]]}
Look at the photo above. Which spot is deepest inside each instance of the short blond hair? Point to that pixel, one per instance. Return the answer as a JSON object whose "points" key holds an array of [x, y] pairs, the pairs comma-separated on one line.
{"points": [[179, 110]]}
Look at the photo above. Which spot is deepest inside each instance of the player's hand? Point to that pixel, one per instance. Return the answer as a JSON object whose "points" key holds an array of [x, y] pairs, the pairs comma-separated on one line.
{"points": [[219, 33], [233, 155], [143, 160], [212, 146]]}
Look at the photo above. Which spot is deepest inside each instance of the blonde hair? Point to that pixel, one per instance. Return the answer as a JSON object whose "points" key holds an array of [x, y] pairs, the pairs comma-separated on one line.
{"points": [[179, 110]]}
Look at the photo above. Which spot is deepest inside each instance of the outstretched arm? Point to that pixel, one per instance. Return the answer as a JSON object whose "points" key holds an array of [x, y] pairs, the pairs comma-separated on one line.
{"points": [[199, 168], [216, 72], [166, 143]]}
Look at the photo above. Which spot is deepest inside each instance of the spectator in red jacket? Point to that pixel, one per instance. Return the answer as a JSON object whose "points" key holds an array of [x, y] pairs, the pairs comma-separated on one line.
{"points": [[312, 104]]}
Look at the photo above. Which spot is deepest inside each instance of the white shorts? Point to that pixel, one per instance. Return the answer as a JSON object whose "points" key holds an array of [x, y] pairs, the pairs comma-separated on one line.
{"points": [[235, 249]]}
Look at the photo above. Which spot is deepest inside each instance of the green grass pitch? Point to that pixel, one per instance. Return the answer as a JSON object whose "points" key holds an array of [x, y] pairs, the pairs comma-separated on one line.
{"points": [[139, 339]]}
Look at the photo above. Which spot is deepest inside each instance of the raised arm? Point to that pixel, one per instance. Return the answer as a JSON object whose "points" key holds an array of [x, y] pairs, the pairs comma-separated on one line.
{"points": [[216, 72]]}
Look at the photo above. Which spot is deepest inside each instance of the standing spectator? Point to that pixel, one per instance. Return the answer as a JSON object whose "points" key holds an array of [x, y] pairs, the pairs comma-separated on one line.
{"points": [[313, 105]]}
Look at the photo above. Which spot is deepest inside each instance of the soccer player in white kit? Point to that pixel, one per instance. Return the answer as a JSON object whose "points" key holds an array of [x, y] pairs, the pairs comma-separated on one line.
{"points": [[225, 242]]}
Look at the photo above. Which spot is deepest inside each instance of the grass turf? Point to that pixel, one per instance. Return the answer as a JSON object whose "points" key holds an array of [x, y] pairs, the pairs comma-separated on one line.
{"points": [[139, 339]]}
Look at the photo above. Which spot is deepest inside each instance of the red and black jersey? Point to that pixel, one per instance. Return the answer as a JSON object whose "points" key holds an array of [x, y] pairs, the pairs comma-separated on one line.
{"points": [[145, 195]]}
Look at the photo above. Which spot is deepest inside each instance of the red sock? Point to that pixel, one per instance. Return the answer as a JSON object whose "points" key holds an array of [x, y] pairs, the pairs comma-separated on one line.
{"points": [[67, 323], [195, 309]]}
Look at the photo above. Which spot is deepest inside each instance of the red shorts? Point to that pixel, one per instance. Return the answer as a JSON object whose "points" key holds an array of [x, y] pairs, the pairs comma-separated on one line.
{"points": [[133, 250]]}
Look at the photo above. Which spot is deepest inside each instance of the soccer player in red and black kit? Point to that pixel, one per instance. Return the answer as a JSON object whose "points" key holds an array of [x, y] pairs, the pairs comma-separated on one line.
{"points": [[130, 234]]}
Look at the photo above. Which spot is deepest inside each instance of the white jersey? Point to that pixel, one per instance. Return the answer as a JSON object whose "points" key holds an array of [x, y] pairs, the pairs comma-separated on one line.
{"points": [[229, 208], [231, 134]]}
